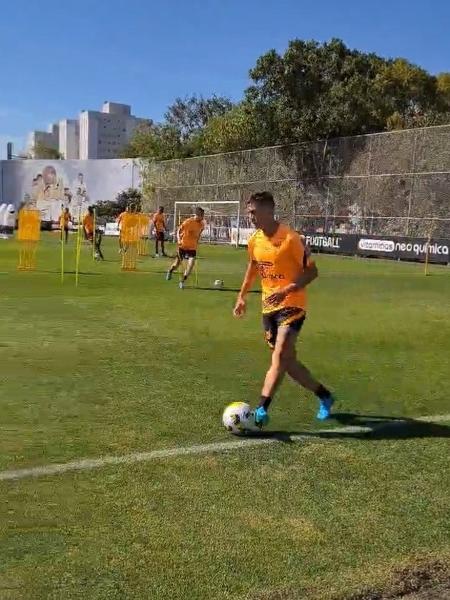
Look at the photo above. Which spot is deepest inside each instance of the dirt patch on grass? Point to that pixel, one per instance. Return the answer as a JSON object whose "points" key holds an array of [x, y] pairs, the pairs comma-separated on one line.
{"points": [[426, 581]]}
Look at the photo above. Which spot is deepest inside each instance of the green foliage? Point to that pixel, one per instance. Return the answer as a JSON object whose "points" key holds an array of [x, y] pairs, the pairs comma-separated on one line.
{"points": [[428, 119], [190, 115], [126, 198], [40, 150], [180, 136], [312, 91], [443, 87], [238, 128]]}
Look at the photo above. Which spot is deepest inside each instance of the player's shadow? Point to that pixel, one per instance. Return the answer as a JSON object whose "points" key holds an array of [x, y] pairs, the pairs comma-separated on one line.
{"points": [[71, 272], [368, 427]]}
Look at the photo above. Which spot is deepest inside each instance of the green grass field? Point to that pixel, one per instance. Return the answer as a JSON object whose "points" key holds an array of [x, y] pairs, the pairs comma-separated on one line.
{"points": [[128, 363]]}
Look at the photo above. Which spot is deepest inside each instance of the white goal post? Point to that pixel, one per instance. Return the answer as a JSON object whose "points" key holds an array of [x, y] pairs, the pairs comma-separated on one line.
{"points": [[222, 220]]}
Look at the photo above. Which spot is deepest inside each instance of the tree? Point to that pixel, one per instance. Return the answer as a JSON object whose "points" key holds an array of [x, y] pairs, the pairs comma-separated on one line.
{"points": [[313, 91], [124, 199], [327, 90], [404, 88], [238, 129], [156, 141], [443, 87], [40, 150], [191, 114]]}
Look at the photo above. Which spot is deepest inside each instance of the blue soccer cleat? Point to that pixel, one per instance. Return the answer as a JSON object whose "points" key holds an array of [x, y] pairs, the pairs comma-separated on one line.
{"points": [[325, 405], [261, 416]]}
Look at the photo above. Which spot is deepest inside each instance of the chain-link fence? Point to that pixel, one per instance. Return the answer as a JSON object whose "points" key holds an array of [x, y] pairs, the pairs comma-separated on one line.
{"points": [[395, 183]]}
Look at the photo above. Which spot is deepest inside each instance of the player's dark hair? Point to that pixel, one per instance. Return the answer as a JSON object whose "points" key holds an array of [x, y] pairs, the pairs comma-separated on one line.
{"points": [[262, 199], [199, 211]]}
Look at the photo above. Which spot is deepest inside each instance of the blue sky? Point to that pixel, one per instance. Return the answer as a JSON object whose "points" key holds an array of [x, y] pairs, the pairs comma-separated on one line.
{"points": [[57, 58]]}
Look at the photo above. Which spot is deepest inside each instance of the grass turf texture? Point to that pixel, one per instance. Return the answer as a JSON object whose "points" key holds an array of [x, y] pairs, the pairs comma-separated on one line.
{"points": [[128, 362]]}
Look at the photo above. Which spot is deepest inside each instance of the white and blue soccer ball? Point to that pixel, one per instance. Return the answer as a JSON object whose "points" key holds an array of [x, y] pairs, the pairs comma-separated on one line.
{"points": [[239, 419], [218, 283]]}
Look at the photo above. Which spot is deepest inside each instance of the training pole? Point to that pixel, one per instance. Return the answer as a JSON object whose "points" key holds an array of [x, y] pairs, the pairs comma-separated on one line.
{"points": [[62, 257], [78, 249], [427, 255], [94, 236]]}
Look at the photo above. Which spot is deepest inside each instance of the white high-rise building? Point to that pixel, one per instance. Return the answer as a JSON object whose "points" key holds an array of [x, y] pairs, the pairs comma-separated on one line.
{"points": [[104, 134], [69, 138], [96, 134]]}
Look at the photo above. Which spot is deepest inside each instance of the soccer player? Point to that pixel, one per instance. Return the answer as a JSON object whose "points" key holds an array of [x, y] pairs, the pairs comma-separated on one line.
{"points": [[159, 223], [64, 220], [285, 267], [89, 234], [188, 236]]}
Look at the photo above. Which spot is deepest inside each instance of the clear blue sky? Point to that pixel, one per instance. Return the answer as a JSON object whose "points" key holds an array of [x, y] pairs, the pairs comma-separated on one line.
{"points": [[59, 57]]}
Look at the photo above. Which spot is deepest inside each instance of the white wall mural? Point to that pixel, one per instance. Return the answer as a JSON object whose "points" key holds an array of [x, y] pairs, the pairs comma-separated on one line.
{"points": [[50, 184]]}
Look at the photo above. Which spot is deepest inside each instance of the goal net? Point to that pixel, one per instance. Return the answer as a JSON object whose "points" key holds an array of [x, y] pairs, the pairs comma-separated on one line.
{"points": [[221, 220]]}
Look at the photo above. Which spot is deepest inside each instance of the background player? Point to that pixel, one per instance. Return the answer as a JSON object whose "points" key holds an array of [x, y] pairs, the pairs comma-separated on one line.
{"points": [[159, 223], [94, 237], [188, 236], [285, 267], [64, 220]]}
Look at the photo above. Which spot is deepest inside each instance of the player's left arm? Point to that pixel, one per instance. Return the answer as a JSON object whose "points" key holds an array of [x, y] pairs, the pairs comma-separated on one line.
{"points": [[308, 271]]}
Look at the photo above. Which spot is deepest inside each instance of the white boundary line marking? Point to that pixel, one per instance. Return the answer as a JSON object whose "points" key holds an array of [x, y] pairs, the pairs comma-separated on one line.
{"points": [[136, 457]]}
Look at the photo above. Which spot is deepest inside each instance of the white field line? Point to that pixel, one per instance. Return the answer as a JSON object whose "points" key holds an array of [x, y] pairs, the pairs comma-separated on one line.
{"points": [[214, 447]]}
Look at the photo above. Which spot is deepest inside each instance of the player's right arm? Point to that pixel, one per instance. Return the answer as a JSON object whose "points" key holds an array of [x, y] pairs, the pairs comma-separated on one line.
{"points": [[249, 278], [180, 232]]}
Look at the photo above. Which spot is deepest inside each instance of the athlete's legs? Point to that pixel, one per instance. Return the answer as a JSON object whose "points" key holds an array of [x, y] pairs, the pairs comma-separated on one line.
{"points": [[284, 360], [300, 374], [189, 267], [282, 356], [175, 264]]}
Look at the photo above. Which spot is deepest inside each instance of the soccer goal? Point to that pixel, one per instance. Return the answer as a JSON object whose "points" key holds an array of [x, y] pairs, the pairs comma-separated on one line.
{"points": [[221, 220]]}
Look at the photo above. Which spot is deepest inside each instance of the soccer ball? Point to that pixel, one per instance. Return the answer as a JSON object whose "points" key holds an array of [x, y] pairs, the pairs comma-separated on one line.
{"points": [[218, 283], [239, 419]]}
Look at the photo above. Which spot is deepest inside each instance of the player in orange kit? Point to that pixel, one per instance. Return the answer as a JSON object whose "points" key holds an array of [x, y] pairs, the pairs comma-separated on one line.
{"points": [[159, 223], [284, 264], [188, 235]]}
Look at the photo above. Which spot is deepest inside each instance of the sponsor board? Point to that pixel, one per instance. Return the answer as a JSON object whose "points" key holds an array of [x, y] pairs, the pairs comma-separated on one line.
{"points": [[399, 248]]}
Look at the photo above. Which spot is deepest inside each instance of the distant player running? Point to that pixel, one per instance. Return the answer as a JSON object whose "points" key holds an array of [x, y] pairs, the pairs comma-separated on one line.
{"points": [[64, 221], [95, 237], [285, 267], [188, 236], [159, 223]]}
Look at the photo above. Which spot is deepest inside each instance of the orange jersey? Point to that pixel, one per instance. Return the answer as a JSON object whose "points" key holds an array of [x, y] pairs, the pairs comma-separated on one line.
{"points": [[189, 233], [280, 259], [88, 224], [159, 221], [64, 219], [120, 217]]}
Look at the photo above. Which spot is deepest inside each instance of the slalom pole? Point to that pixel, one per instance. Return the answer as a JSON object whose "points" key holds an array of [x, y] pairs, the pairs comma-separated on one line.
{"points": [[78, 249], [62, 256]]}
